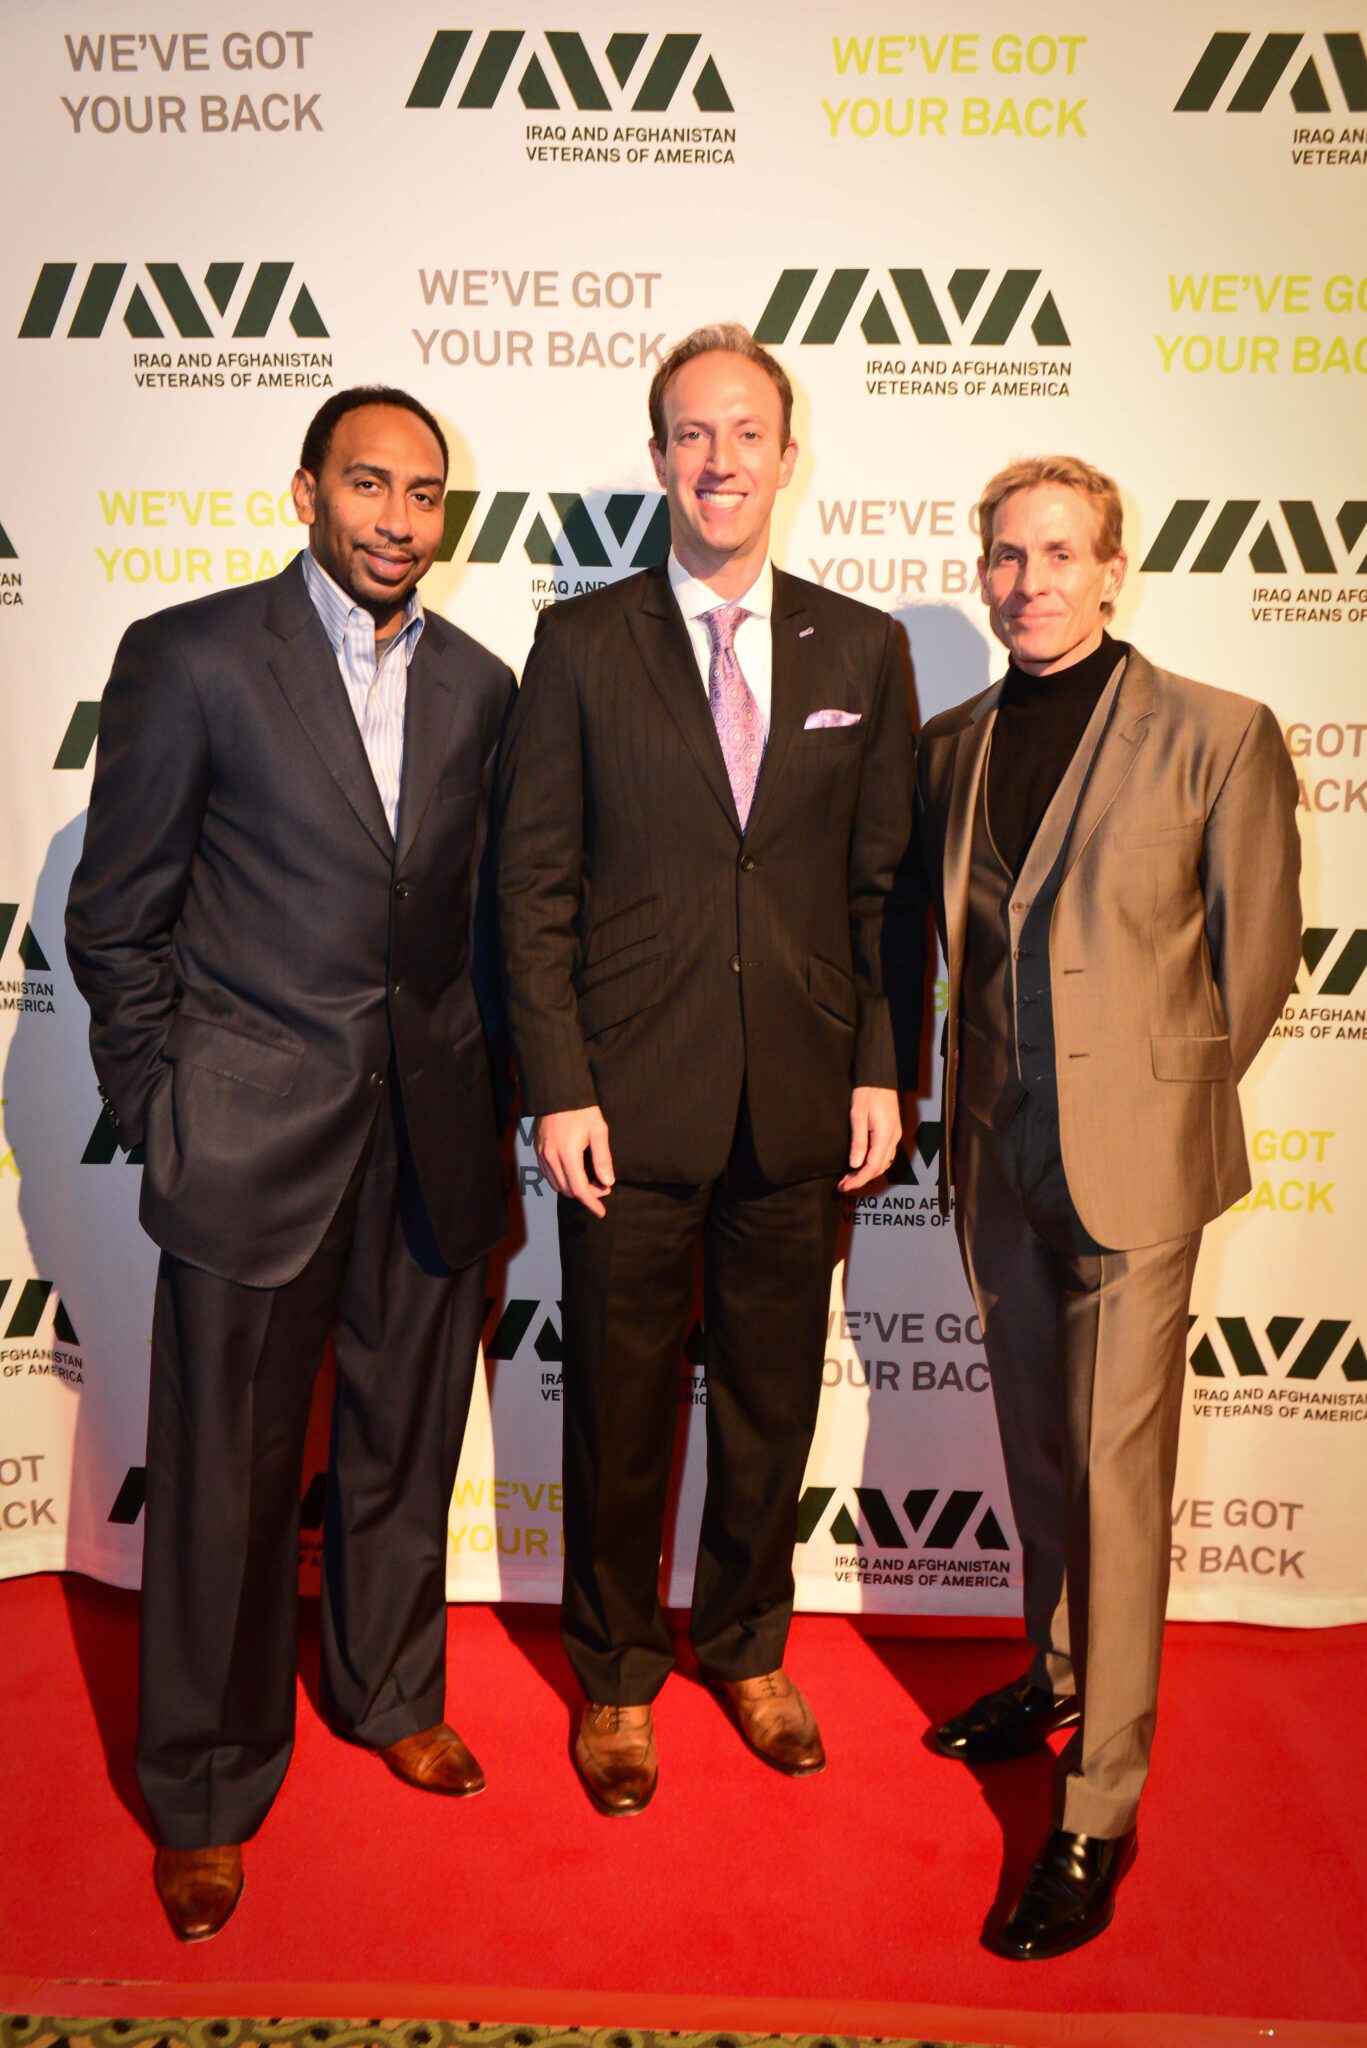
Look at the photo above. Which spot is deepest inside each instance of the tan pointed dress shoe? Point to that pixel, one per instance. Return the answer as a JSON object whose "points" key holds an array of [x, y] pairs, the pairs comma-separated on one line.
{"points": [[777, 1723], [436, 1760], [614, 1754], [199, 1888]]}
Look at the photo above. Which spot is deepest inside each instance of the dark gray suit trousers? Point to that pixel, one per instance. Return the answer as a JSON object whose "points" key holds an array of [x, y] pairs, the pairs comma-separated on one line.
{"points": [[233, 1369]]}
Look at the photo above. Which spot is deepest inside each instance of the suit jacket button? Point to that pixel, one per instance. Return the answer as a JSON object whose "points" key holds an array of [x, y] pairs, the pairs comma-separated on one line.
{"points": [[397, 988], [401, 890], [735, 963], [746, 864], [377, 1079]]}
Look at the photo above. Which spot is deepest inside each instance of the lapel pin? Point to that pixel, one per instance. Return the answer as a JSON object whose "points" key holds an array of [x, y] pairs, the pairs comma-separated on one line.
{"points": [[805, 631]]}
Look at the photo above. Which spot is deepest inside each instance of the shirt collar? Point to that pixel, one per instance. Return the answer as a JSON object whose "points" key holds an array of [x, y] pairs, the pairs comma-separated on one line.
{"points": [[694, 598], [336, 608]]}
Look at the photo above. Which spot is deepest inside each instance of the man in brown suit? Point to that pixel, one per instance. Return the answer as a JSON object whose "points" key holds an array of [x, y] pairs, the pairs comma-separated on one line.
{"points": [[1114, 857], [709, 903]]}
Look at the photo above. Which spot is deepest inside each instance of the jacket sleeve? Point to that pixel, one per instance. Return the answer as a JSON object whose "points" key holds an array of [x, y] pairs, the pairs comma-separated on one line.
{"points": [[486, 966], [887, 892], [147, 806], [1250, 865], [539, 820]]}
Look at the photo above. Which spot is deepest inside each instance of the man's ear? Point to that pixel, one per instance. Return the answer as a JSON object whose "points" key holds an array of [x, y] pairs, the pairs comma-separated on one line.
{"points": [[303, 487], [1115, 576]]}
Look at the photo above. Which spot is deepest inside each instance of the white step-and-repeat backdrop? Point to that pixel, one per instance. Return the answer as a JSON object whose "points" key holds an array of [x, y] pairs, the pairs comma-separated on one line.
{"points": [[969, 234]]}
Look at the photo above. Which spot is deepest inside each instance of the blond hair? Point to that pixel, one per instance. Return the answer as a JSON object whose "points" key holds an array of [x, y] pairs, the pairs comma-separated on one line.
{"points": [[725, 337], [1101, 491]]}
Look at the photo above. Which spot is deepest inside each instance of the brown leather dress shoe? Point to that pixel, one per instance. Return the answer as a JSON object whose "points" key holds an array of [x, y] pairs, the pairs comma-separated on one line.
{"points": [[436, 1760], [199, 1888], [777, 1723], [614, 1754]]}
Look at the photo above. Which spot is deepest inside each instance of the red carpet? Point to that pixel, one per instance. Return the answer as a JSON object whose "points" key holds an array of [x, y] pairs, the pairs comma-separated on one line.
{"points": [[849, 1903]]}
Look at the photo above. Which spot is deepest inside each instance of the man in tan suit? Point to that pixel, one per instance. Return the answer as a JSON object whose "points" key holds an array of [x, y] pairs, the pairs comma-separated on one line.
{"points": [[707, 888], [1114, 857]]}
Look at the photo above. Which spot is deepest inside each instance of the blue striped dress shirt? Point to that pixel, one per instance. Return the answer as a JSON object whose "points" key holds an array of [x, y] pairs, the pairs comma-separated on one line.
{"points": [[377, 687]]}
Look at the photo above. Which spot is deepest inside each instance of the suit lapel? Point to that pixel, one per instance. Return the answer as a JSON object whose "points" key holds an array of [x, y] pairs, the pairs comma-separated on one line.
{"points": [[1117, 751], [1052, 835], [970, 755], [667, 655], [305, 667], [966, 773], [429, 708], [787, 695]]}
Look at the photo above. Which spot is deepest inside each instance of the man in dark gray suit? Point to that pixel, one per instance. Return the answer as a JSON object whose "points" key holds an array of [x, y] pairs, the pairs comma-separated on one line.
{"points": [[710, 937], [272, 924]]}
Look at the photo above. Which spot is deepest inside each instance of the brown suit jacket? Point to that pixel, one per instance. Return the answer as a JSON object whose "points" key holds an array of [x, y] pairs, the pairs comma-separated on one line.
{"points": [[654, 955], [1174, 942]]}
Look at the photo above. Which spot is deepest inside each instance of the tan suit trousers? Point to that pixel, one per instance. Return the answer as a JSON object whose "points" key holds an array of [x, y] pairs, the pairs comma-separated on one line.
{"points": [[1086, 1351]]}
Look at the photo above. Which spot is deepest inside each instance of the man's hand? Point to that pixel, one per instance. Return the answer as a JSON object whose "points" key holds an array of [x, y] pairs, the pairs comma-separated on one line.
{"points": [[561, 1140], [875, 1127]]}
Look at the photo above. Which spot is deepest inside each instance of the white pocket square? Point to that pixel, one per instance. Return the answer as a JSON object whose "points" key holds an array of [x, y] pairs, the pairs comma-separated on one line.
{"points": [[820, 719]]}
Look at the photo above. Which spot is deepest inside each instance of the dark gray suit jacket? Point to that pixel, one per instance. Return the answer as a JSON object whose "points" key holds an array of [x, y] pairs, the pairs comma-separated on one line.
{"points": [[653, 955], [251, 941]]}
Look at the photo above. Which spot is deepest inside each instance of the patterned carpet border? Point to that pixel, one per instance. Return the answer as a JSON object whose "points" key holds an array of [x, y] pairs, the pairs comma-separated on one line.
{"points": [[29, 2031]]}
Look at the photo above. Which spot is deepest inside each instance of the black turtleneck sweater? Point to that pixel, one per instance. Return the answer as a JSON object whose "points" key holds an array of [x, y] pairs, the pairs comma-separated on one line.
{"points": [[1040, 720]]}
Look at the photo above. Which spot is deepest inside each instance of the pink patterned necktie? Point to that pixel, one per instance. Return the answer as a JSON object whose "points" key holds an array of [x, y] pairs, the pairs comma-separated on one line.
{"points": [[734, 710]]}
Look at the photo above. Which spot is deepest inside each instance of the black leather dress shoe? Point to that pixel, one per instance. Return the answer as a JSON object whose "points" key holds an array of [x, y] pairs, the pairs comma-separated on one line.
{"points": [[1069, 1896], [1005, 1724]]}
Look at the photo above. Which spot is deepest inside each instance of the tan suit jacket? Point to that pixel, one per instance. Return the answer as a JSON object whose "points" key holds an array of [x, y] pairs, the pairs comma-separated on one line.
{"points": [[1174, 941]]}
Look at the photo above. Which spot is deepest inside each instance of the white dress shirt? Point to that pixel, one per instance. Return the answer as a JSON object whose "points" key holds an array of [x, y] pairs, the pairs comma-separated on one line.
{"points": [[376, 676], [754, 643]]}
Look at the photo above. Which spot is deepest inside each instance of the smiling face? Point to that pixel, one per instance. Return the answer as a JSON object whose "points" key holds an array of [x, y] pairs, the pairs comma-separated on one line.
{"points": [[1041, 580], [722, 465], [376, 509]]}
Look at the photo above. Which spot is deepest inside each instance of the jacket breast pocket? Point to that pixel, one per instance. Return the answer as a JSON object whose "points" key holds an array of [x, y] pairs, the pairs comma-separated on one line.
{"points": [[816, 738], [458, 786], [828, 743], [218, 1049], [1154, 838]]}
